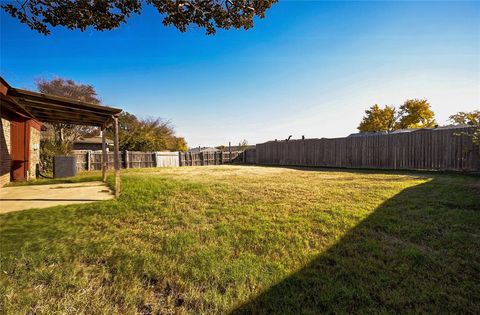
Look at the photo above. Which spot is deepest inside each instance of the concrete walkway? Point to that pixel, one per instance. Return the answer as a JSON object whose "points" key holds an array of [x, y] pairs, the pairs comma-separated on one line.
{"points": [[43, 196]]}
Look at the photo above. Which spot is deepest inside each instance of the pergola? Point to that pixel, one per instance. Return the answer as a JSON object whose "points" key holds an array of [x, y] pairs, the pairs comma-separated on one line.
{"points": [[56, 109]]}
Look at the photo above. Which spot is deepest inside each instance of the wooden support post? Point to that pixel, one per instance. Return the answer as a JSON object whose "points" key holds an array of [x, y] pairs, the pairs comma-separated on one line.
{"points": [[89, 160], [116, 157], [104, 156]]}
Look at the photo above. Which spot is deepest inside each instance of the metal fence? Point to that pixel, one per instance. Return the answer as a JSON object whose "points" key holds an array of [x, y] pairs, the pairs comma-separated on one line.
{"points": [[425, 149]]}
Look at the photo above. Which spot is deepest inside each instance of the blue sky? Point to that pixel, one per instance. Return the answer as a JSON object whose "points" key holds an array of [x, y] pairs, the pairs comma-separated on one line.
{"points": [[309, 68]]}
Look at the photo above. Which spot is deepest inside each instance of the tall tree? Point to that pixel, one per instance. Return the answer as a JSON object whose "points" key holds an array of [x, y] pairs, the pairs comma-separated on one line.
{"points": [[67, 133], [416, 113], [109, 14], [137, 134], [378, 119], [413, 113]]}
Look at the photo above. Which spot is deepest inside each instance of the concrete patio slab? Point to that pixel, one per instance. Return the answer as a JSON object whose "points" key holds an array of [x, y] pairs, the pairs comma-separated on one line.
{"points": [[43, 196]]}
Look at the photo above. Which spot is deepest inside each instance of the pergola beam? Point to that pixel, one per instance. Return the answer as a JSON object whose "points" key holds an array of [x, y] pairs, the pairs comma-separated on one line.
{"points": [[62, 101], [72, 119], [56, 107]]}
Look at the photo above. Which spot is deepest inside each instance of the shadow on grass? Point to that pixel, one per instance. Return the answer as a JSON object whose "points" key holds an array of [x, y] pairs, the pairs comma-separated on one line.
{"points": [[417, 253]]}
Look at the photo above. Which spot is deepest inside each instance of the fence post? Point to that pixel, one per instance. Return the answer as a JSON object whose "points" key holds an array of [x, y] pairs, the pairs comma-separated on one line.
{"points": [[89, 153], [229, 152], [202, 159], [126, 159]]}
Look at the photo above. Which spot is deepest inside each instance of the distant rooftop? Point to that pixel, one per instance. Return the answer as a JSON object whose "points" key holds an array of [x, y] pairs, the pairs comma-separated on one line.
{"points": [[203, 149], [236, 148], [92, 140]]}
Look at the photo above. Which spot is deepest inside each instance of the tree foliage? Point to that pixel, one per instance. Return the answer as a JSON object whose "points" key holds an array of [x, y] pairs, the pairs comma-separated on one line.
{"points": [[137, 134], [109, 14], [378, 119], [414, 113], [466, 118], [67, 133]]}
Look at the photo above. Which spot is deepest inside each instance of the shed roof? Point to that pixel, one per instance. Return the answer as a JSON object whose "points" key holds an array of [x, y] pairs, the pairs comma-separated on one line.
{"points": [[57, 109]]}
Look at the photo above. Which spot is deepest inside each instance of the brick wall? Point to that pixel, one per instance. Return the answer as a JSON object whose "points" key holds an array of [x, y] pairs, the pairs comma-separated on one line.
{"points": [[34, 152], [4, 152]]}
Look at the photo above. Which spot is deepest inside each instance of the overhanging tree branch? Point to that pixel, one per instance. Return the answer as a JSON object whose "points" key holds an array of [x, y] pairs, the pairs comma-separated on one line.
{"points": [[41, 15]]}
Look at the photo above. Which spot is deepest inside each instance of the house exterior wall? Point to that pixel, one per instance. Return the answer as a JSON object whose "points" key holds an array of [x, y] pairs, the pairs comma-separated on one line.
{"points": [[32, 147], [5, 161]]}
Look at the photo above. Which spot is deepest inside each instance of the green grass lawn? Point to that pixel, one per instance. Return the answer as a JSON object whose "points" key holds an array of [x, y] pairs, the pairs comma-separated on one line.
{"points": [[241, 239]]}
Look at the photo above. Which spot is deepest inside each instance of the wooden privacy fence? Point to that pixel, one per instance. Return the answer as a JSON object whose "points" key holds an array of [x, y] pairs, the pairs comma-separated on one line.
{"points": [[250, 156], [92, 160], [424, 149], [210, 158]]}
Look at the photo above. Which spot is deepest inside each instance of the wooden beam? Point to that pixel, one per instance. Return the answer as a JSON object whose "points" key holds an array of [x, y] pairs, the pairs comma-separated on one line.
{"points": [[67, 121], [117, 162], [72, 118], [12, 105], [108, 123], [60, 108], [59, 100], [104, 156], [21, 107]]}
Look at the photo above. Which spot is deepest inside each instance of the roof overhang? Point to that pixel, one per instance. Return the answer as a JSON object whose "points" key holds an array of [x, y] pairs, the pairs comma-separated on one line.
{"points": [[56, 109]]}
